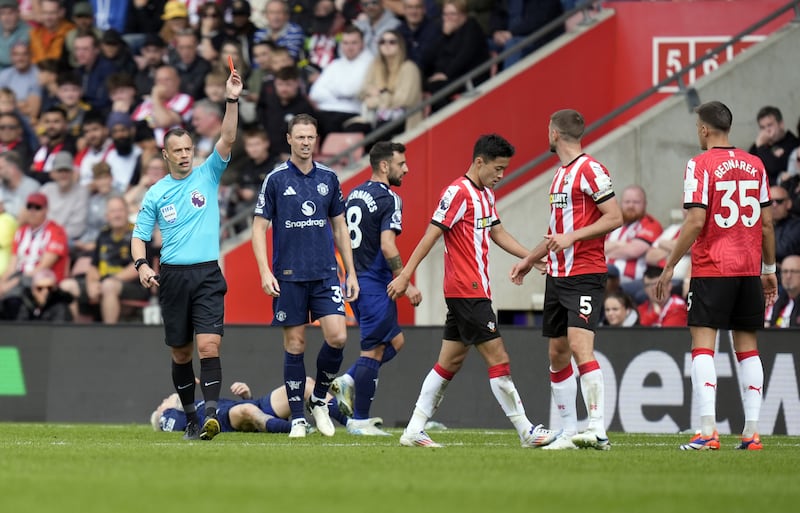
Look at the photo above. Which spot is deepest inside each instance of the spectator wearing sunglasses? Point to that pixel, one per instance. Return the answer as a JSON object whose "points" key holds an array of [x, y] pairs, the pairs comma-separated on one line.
{"points": [[787, 226], [44, 301]]}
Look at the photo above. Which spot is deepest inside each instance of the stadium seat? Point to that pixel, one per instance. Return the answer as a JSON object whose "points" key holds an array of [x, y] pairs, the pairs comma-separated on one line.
{"points": [[337, 142]]}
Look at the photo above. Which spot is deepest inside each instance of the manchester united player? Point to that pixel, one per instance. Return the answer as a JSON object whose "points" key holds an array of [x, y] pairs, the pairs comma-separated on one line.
{"points": [[726, 195], [467, 218], [582, 211]]}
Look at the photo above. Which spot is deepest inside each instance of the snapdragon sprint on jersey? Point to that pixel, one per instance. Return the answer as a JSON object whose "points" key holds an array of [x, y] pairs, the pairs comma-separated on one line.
{"points": [[305, 224]]}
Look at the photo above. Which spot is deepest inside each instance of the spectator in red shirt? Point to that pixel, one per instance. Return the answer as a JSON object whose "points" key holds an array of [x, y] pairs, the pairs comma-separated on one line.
{"points": [[38, 244], [668, 311], [626, 246]]}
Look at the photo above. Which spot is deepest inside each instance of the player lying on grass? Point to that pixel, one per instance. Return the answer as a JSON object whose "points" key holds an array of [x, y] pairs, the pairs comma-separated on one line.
{"points": [[267, 414]]}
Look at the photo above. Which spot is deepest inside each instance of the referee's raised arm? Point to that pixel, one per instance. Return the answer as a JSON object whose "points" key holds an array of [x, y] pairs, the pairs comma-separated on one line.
{"points": [[230, 122]]}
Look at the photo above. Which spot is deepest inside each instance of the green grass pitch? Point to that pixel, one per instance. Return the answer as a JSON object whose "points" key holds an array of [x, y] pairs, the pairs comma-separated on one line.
{"points": [[129, 468]]}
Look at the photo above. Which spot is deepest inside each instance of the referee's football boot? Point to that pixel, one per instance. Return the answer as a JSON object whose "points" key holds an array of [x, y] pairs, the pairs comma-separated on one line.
{"points": [[210, 428], [192, 431]]}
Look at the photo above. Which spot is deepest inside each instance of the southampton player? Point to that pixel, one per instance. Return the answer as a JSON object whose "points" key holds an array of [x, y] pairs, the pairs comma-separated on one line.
{"points": [[374, 218], [582, 211], [729, 229], [303, 203], [467, 218], [191, 285]]}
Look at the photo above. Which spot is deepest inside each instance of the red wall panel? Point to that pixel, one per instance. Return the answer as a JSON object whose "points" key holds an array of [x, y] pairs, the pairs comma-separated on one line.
{"points": [[595, 73]]}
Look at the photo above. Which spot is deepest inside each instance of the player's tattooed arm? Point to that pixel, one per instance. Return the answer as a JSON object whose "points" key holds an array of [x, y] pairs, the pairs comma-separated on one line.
{"points": [[395, 264]]}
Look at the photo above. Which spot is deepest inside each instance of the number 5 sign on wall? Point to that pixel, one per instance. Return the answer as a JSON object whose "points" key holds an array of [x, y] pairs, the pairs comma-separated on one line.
{"points": [[671, 54]]}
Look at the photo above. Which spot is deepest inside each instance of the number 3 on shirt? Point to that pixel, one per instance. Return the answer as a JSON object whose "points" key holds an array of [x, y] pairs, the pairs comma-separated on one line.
{"points": [[729, 188]]}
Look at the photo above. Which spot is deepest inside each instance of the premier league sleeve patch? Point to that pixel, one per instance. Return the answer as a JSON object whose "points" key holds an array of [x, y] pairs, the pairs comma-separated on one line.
{"points": [[198, 200]]}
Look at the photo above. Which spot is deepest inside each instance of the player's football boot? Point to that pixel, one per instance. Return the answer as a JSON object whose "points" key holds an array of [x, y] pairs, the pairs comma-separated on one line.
{"points": [[562, 443], [538, 436], [343, 392], [420, 439], [300, 428], [698, 443], [751, 444], [322, 418], [591, 439], [366, 427]]}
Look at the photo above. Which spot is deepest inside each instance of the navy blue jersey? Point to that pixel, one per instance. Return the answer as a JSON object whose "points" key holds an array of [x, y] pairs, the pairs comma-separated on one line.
{"points": [[300, 207], [173, 419], [372, 208]]}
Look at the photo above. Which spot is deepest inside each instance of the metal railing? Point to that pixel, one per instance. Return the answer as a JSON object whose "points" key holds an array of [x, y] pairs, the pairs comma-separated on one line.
{"points": [[692, 97], [466, 80], [585, 7]]}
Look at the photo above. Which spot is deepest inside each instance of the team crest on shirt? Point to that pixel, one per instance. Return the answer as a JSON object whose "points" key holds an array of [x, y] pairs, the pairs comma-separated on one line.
{"points": [[169, 213], [198, 200], [323, 189]]}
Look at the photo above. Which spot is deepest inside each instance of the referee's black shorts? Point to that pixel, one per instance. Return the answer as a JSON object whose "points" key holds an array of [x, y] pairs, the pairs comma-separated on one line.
{"points": [[192, 301], [726, 303]]}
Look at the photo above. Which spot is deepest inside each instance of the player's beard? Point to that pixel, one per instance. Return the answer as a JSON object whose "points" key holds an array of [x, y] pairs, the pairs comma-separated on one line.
{"points": [[552, 147]]}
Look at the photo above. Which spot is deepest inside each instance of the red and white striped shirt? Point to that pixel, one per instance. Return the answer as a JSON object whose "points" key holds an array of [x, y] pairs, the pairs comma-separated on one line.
{"points": [[466, 213], [181, 103], [576, 190], [647, 229], [733, 187], [30, 244]]}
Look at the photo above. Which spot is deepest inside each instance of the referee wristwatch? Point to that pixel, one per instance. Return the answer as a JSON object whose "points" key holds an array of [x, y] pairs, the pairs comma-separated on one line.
{"points": [[138, 263]]}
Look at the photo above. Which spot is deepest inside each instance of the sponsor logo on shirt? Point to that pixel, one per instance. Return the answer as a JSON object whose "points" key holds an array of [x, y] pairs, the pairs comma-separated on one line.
{"points": [[289, 191], [559, 200]]}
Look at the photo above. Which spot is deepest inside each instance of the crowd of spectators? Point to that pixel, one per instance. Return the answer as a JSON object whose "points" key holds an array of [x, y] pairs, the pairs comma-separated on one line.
{"points": [[88, 89]]}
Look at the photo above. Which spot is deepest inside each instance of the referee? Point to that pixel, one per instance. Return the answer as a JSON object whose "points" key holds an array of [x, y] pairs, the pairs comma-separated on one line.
{"points": [[191, 287]]}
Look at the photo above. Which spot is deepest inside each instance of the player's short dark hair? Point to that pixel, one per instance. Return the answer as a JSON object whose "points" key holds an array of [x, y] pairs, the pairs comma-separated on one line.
{"points": [[491, 146], [716, 115], [384, 151], [769, 110], [175, 132], [569, 123], [301, 119]]}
